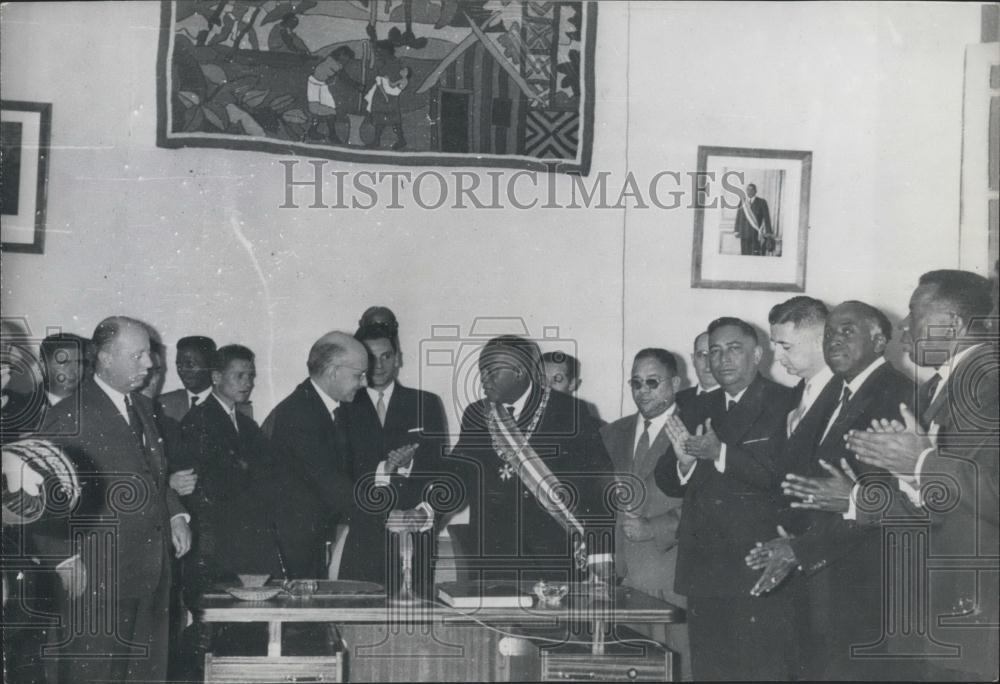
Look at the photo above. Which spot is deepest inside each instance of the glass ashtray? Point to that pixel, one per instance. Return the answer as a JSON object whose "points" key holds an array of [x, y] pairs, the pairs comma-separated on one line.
{"points": [[550, 595]]}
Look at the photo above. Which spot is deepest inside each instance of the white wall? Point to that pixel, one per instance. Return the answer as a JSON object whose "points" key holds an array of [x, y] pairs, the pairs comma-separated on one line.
{"points": [[193, 241]]}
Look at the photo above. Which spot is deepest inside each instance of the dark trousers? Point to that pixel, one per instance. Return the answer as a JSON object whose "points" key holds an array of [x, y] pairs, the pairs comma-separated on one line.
{"points": [[741, 638], [749, 243], [133, 649]]}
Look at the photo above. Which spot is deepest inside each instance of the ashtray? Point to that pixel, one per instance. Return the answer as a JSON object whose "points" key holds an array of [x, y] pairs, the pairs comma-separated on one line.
{"points": [[550, 595], [300, 588]]}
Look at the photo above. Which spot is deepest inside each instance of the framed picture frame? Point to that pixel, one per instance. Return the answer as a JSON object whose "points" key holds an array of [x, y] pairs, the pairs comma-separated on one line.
{"points": [[25, 130], [751, 219]]}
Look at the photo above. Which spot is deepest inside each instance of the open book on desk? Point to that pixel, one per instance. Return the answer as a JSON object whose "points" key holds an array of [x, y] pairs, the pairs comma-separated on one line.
{"points": [[483, 595]]}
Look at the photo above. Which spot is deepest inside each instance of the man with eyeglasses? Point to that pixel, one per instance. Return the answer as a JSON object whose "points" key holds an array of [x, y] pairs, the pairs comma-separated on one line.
{"points": [[706, 381], [310, 446], [724, 461], [646, 531]]}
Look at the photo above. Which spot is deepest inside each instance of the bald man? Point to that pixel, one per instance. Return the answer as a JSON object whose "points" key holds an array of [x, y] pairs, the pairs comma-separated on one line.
{"points": [[116, 630], [310, 446]]}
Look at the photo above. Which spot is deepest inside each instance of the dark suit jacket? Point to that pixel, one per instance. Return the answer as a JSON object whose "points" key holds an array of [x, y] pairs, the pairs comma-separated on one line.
{"points": [[231, 506], [960, 482], [841, 596], [175, 405], [508, 526], [689, 395], [649, 565], [120, 482], [313, 486], [371, 442], [761, 213], [726, 513]]}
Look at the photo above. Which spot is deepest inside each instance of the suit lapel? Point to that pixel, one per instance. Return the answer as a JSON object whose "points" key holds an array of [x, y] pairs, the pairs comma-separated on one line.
{"points": [[742, 417], [644, 466]]}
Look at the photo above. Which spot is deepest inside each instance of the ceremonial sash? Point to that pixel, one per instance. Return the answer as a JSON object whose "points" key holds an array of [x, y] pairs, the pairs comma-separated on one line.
{"points": [[535, 475], [749, 215]]}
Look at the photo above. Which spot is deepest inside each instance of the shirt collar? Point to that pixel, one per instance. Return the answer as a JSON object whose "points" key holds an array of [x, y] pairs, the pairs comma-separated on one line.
{"points": [[946, 369], [53, 398], [817, 382], [117, 398], [225, 408], [737, 397], [331, 404], [202, 396], [386, 393], [655, 424], [855, 384], [703, 390], [519, 403]]}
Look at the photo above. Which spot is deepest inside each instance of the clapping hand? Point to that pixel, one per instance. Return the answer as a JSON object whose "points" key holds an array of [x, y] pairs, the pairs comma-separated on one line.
{"points": [[832, 494], [776, 557], [402, 457], [885, 446], [678, 434], [704, 444]]}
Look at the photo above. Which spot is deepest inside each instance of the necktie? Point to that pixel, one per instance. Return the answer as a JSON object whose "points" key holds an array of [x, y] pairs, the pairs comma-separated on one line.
{"points": [[926, 398], [134, 421], [730, 403], [380, 408], [232, 417], [844, 398], [642, 447], [510, 411], [194, 401]]}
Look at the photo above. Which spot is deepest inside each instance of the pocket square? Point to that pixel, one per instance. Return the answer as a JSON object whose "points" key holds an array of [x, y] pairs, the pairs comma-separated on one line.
{"points": [[416, 429], [754, 441]]}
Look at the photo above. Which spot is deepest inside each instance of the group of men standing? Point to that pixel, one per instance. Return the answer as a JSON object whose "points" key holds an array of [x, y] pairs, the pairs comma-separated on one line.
{"points": [[787, 521]]}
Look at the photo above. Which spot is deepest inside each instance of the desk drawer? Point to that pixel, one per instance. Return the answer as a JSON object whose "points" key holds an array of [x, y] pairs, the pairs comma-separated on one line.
{"points": [[255, 669], [653, 666]]}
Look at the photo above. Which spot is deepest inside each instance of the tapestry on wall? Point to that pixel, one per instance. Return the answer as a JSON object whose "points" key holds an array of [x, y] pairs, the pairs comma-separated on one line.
{"points": [[505, 83]]}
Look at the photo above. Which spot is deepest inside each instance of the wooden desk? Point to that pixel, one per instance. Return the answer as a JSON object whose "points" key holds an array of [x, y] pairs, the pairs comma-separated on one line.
{"points": [[429, 641]]}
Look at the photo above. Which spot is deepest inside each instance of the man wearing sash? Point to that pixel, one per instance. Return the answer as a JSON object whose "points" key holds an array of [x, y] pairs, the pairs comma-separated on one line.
{"points": [[753, 223], [536, 475]]}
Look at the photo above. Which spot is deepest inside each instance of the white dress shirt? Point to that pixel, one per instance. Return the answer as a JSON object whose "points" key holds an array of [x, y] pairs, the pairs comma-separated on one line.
{"points": [[854, 385], [813, 387], [655, 426], [202, 396], [331, 404]]}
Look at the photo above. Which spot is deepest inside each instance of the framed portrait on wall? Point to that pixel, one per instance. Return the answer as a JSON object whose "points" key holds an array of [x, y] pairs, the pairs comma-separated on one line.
{"points": [[751, 219], [24, 174]]}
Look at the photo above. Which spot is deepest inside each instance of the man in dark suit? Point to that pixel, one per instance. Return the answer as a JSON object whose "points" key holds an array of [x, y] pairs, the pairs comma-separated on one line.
{"points": [[310, 445], [115, 579], [194, 368], [516, 527], [562, 373], [231, 505], [706, 381], [398, 441], [950, 450], [646, 532], [727, 471], [753, 223], [842, 561]]}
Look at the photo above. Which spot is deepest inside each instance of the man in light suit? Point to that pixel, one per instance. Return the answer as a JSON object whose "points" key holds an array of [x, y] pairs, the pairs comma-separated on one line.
{"points": [[646, 533], [753, 223], [310, 444], [949, 448], [398, 439], [119, 586]]}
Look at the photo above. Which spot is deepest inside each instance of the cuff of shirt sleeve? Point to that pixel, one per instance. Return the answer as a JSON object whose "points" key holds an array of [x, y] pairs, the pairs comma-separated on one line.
{"points": [[426, 507], [912, 493], [852, 509], [720, 464], [68, 562], [382, 474], [918, 468], [681, 476], [186, 516]]}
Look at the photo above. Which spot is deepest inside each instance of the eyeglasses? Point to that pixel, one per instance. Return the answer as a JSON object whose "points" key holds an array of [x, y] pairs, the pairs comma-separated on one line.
{"points": [[650, 383]]}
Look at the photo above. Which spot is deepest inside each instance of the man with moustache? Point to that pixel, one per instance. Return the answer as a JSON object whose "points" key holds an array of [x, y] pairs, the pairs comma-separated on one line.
{"points": [[725, 461], [119, 603], [843, 592], [706, 381], [646, 533], [519, 448], [310, 444], [949, 448], [398, 441]]}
